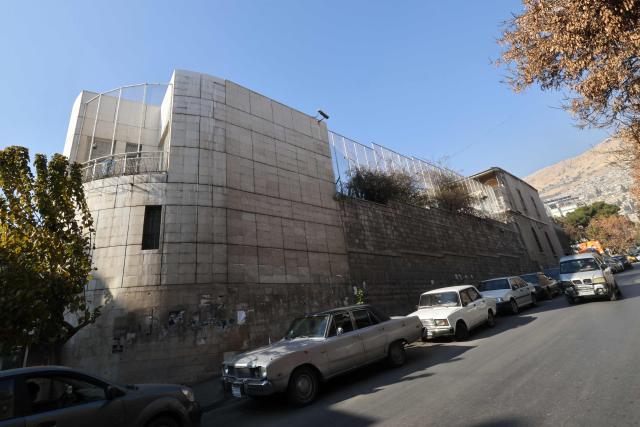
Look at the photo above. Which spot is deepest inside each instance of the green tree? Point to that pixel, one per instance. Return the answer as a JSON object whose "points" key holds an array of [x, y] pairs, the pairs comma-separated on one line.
{"points": [[584, 214], [45, 242]]}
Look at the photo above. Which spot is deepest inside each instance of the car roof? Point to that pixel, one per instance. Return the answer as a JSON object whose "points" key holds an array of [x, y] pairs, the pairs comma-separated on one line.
{"points": [[498, 278], [578, 256], [339, 309], [448, 289], [37, 369]]}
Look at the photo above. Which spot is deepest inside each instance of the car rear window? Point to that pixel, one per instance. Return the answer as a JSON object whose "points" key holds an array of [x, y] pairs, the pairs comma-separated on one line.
{"points": [[494, 285], [531, 278]]}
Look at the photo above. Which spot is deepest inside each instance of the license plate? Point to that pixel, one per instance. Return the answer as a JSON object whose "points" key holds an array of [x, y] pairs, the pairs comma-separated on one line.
{"points": [[236, 391]]}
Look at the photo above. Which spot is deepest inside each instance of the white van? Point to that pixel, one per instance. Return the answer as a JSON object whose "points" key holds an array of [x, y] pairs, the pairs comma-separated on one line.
{"points": [[587, 276]]}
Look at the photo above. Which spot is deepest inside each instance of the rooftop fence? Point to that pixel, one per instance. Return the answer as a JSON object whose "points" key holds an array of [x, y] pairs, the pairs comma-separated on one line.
{"points": [[349, 155]]}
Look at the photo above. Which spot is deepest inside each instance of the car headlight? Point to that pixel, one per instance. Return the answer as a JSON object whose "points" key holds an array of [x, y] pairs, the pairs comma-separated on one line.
{"points": [[263, 372], [188, 393], [225, 369], [599, 280], [498, 299], [441, 322]]}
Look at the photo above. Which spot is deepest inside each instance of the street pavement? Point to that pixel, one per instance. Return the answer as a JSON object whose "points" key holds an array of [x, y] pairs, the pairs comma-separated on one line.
{"points": [[555, 365]]}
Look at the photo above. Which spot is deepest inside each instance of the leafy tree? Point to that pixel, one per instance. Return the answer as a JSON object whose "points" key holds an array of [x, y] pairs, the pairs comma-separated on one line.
{"points": [[584, 214], [381, 187], [45, 262], [589, 48], [614, 232]]}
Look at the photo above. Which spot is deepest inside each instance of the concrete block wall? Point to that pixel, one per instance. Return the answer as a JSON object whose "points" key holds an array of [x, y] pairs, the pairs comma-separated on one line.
{"points": [[396, 252], [250, 237]]}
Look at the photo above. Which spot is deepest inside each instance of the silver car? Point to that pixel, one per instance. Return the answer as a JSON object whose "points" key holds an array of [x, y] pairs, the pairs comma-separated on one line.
{"points": [[317, 347]]}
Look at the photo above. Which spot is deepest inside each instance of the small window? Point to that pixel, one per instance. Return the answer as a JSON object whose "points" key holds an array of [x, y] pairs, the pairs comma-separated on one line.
{"points": [[514, 284], [464, 297], [535, 206], [362, 319], [341, 320], [550, 244], [535, 236], [6, 400], [51, 393], [524, 205], [151, 227], [473, 294]]}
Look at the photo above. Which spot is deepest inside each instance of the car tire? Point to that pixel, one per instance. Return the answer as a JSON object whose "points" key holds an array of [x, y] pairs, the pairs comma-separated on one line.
{"points": [[571, 300], [613, 294], [534, 300], [514, 307], [303, 386], [549, 294], [491, 319], [163, 421], [424, 339], [396, 356], [462, 332]]}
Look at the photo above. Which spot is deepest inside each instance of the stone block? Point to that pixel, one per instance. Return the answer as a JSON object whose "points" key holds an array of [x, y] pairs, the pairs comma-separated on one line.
{"points": [[185, 131], [212, 225], [319, 267], [238, 97], [238, 141], [242, 264], [241, 228], [282, 115], [192, 106], [266, 179], [271, 267], [269, 231], [335, 239], [294, 234], [301, 122], [289, 185], [316, 237], [264, 149], [286, 156], [297, 266], [186, 83], [240, 173], [260, 106], [212, 88], [310, 190]]}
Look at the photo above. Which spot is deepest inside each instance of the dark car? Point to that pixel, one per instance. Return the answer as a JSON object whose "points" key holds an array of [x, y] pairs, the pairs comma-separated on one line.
{"points": [[623, 260], [65, 397], [546, 287]]}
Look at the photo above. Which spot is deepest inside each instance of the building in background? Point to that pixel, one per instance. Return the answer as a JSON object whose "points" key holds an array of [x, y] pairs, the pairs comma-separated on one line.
{"points": [[528, 213]]}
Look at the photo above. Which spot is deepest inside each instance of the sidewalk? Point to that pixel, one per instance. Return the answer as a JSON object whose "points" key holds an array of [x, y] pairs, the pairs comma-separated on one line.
{"points": [[209, 394]]}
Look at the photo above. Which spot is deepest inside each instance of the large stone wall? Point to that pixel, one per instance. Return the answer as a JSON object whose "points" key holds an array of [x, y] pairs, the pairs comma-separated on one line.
{"points": [[399, 251]]}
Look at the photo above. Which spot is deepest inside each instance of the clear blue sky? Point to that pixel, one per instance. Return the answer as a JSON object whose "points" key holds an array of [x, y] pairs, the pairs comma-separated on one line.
{"points": [[415, 76]]}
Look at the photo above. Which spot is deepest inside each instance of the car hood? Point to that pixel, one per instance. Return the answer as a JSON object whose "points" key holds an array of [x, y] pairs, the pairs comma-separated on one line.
{"points": [[567, 277], [263, 355], [434, 312], [498, 293], [154, 388]]}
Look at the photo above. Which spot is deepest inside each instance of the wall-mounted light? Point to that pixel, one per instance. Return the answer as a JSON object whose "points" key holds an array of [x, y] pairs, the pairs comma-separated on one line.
{"points": [[323, 114]]}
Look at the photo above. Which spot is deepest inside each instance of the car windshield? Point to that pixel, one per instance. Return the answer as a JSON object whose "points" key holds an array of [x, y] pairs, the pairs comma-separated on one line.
{"points": [[494, 285], [443, 299], [310, 326], [553, 273], [531, 278], [577, 265]]}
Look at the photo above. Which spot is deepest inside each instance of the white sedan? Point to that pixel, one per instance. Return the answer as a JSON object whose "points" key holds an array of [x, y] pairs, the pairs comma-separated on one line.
{"points": [[454, 311], [510, 293]]}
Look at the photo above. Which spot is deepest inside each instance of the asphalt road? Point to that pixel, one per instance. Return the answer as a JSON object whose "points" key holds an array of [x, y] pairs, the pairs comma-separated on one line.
{"points": [[554, 364]]}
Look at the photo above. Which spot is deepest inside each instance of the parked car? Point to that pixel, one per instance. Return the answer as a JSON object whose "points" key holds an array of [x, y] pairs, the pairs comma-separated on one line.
{"points": [[317, 347], [454, 311], [545, 286], [587, 276], [632, 258], [65, 397], [616, 266], [511, 293], [622, 259]]}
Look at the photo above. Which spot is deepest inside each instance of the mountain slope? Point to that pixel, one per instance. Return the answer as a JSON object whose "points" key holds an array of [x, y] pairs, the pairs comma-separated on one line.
{"points": [[595, 175]]}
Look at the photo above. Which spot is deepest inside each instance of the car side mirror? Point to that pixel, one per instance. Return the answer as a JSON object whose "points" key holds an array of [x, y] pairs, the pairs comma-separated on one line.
{"points": [[339, 331], [113, 392]]}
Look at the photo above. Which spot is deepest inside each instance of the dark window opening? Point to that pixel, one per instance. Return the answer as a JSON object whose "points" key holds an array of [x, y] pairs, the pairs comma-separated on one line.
{"points": [[550, 245], [524, 205], [151, 227], [535, 206], [535, 236]]}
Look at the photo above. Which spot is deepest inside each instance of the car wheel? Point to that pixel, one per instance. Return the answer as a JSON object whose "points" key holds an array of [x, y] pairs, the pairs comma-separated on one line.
{"points": [[514, 307], [491, 320], [303, 386], [396, 356], [549, 294], [613, 295], [462, 332], [571, 300], [163, 421], [424, 339], [534, 300]]}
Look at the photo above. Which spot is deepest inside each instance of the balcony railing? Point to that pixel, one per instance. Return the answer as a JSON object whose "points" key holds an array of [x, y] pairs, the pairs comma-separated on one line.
{"points": [[125, 164]]}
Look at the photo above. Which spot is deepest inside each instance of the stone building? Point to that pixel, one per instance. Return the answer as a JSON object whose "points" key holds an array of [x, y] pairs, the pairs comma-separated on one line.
{"points": [[216, 223], [214, 210], [528, 214]]}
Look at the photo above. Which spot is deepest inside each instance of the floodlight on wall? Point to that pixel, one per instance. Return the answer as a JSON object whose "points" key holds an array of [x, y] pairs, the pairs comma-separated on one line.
{"points": [[323, 114]]}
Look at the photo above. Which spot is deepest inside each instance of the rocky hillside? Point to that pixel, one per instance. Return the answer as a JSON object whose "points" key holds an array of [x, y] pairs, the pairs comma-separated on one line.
{"points": [[597, 174]]}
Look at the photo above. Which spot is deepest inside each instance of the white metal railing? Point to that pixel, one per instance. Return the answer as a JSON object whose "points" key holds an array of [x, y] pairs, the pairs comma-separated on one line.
{"points": [[132, 163], [349, 154]]}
